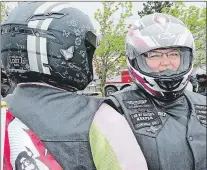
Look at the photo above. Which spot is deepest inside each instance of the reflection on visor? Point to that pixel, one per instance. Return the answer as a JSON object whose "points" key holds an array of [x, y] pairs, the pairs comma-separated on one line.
{"points": [[185, 55], [158, 56]]}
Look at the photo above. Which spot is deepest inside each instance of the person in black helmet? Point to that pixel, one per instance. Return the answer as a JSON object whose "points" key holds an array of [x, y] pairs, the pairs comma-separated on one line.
{"points": [[194, 82], [202, 83], [168, 121], [5, 85], [47, 50]]}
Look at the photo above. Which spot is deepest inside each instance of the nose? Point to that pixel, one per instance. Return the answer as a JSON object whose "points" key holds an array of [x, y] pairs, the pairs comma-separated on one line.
{"points": [[165, 61]]}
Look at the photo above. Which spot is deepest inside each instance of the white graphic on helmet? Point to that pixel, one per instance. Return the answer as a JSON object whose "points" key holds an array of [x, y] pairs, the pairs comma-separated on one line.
{"points": [[162, 21], [77, 32], [22, 41], [66, 65], [68, 53], [65, 73], [77, 41], [20, 47], [83, 53], [73, 23], [66, 34], [8, 45], [77, 75], [166, 35]]}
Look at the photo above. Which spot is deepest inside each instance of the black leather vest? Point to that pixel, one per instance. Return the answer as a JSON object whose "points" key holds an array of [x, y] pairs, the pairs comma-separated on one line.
{"points": [[65, 122], [169, 142]]}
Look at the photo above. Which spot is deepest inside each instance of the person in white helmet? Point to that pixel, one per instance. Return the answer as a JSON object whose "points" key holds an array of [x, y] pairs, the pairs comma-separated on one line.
{"points": [[168, 121]]}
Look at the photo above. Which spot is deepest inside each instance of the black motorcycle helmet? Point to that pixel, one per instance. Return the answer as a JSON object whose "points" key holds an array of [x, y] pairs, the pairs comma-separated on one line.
{"points": [[49, 42], [4, 83], [201, 78]]}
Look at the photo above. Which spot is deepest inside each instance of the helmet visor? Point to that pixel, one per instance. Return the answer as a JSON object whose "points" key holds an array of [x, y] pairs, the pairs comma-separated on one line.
{"points": [[165, 63]]}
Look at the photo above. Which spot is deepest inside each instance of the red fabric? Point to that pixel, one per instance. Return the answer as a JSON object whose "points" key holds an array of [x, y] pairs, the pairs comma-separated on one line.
{"points": [[6, 161], [45, 157]]}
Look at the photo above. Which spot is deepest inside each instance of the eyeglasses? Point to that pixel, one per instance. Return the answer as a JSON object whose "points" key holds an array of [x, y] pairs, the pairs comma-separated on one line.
{"points": [[157, 56]]}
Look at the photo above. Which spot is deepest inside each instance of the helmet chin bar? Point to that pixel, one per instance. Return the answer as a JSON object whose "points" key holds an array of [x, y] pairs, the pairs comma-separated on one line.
{"points": [[164, 87], [168, 74], [170, 96], [167, 80], [168, 85]]}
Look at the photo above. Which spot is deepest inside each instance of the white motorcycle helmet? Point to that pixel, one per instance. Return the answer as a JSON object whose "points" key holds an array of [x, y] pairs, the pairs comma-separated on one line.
{"points": [[159, 31]]}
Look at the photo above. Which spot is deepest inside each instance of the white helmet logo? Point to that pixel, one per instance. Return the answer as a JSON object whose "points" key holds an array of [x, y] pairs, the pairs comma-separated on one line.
{"points": [[166, 35], [162, 21]]}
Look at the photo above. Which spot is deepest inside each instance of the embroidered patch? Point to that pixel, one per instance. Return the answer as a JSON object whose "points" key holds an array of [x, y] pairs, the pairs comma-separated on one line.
{"points": [[201, 113], [135, 104], [163, 114], [152, 129], [145, 119]]}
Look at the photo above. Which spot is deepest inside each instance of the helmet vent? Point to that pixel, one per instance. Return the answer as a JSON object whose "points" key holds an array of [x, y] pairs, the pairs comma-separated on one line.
{"points": [[56, 15]]}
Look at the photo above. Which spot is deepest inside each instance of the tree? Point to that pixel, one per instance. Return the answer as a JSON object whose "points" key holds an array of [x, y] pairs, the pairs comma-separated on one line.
{"points": [[195, 19], [151, 7], [4, 11], [112, 38]]}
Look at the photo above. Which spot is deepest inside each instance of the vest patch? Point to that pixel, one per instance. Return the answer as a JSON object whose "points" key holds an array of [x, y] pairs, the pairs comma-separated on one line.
{"points": [[144, 115], [135, 104], [145, 119], [201, 113]]}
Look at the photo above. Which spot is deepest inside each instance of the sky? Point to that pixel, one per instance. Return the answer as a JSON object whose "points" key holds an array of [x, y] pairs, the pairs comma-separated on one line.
{"points": [[89, 8]]}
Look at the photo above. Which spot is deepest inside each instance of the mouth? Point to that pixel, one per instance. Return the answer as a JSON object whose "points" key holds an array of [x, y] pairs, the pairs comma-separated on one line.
{"points": [[162, 70]]}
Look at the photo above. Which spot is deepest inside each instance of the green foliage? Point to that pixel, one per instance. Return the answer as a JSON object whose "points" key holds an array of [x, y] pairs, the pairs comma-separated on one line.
{"points": [[195, 19], [4, 11], [112, 40], [122, 62], [151, 7]]}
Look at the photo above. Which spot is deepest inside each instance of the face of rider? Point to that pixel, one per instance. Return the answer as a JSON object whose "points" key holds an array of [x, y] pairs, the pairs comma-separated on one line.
{"points": [[160, 60]]}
